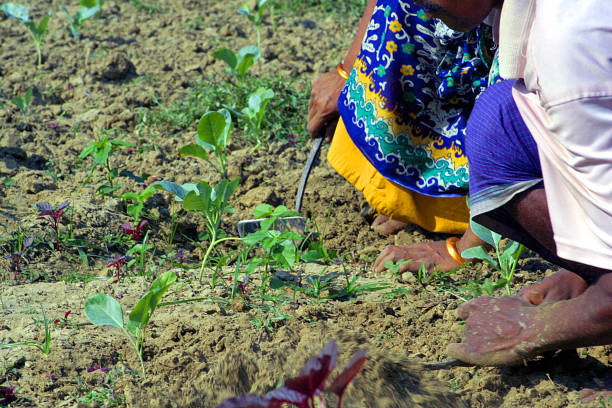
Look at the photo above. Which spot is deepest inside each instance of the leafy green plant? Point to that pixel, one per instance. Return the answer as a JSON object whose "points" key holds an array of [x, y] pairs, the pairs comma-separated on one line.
{"points": [[101, 152], [353, 288], [256, 16], [19, 12], [89, 8], [239, 62], [23, 103], [281, 248], [213, 134], [139, 252], [253, 114], [139, 198], [45, 346], [395, 267], [210, 203], [103, 310], [506, 262]]}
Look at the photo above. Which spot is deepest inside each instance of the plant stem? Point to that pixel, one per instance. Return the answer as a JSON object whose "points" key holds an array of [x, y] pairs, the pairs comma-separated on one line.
{"points": [[138, 351]]}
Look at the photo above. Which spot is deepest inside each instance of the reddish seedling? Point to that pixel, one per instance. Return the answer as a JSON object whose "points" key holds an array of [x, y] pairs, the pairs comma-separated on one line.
{"points": [[302, 391], [64, 320], [18, 255], [117, 262], [136, 232], [7, 395], [53, 215]]}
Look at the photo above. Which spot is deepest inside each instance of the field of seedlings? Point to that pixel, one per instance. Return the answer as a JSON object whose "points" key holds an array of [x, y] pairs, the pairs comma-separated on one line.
{"points": [[134, 136]]}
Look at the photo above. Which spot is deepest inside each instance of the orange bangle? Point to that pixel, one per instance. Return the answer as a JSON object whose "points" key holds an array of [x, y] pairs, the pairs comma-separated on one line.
{"points": [[341, 71], [451, 247]]}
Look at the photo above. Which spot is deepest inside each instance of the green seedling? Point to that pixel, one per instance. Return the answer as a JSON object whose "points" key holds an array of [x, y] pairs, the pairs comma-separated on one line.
{"points": [[23, 103], [240, 62], [138, 198], [256, 17], [210, 203], [45, 346], [254, 113], [396, 267], [139, 252], [89, 8], [101, 152], [506, 262], [103, 310], [19, 12], [281, 248], [213, 134]]}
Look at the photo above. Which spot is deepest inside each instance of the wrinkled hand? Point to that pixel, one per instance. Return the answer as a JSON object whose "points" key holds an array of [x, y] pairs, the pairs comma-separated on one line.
{"points": [[562, 285], [323, 108], [432, 254], [498, 331]]}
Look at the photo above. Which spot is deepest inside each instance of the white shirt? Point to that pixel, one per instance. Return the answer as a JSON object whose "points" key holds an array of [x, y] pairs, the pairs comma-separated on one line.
{"points": [[563, 52]]}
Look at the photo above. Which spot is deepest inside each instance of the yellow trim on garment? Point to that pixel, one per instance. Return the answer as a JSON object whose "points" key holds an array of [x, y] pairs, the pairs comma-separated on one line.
{"points": [[436, 214]]}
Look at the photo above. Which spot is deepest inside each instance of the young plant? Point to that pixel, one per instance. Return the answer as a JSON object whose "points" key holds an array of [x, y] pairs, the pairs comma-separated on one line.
{"points": [[210, 203], [239, 62], [254, 113], [136, 232], [507, 259], [103, 310], [308, 387], [117, 262], [52, 215], [14, 10], [22, 246], [139, 252], [89, 8], [23, 103], [256, 17], [280, 246], [213, 134], [45, 346], [139, 198], [101, 152]]}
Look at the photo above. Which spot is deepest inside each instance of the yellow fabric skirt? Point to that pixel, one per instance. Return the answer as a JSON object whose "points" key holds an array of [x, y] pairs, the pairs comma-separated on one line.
{"points": [[436, 214]]}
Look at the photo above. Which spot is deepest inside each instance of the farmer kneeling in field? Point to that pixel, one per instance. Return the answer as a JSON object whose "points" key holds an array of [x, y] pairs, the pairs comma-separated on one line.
{"points": [[540, 155]]}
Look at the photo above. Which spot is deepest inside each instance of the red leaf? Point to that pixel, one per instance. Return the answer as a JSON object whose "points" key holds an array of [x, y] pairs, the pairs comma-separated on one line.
{"points": [[313, 375], [289, 396], [247, 401], [348, 374]]}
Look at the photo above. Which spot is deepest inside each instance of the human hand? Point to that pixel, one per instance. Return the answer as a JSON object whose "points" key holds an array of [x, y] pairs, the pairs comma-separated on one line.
{"points": [[498, 331], [562, 285], [432, 254], [323, 108]]}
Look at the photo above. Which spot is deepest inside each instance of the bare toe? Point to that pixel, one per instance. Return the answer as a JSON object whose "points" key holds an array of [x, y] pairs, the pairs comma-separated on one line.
{"points": [[386, 226]]}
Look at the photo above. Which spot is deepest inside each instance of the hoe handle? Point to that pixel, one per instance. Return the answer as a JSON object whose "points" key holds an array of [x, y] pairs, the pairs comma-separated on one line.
{"points": [[314, 150]]}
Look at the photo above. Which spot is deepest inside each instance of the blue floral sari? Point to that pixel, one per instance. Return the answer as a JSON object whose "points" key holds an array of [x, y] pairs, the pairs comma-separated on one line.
{"points": [[409, 95]]}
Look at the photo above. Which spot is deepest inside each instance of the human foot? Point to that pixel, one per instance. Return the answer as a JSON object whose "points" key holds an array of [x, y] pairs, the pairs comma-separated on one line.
{"points": [[386, 226], [562, 285]]}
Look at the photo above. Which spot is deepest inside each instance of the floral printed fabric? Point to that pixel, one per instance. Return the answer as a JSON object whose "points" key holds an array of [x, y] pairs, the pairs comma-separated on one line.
{"points": [[409, 94]]}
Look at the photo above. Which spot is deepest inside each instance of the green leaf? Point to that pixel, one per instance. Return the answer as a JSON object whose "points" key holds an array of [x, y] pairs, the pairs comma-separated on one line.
{"points": [[263, 211], [479, 253], [213, 129], [196, 202], [142, 312], [246, 58], [102, 310], [14, 10], [27, 98], [228, 56], [193, 150], [171, 187]]}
